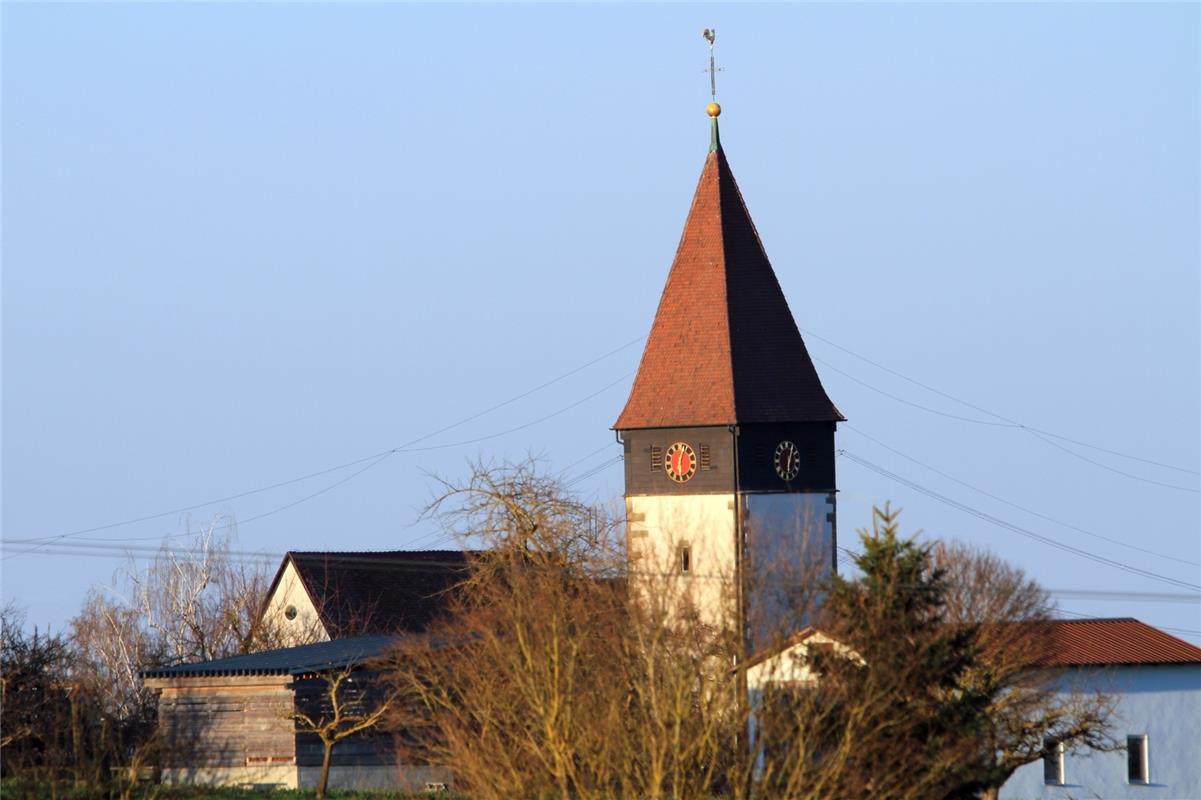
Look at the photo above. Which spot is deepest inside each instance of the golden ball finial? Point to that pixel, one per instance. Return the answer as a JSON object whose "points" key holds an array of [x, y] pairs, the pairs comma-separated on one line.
{"points": [[713, 110]]}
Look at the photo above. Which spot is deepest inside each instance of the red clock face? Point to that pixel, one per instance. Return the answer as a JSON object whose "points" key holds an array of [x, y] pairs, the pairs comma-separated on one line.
{"points": [[787, 460], [680, 462]]}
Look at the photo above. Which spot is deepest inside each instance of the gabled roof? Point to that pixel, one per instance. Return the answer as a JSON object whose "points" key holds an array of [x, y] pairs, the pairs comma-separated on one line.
{"points": [[381, 591], [724, 347], [1114, 642], [804, 634], [301, 660], [1121, 641]]}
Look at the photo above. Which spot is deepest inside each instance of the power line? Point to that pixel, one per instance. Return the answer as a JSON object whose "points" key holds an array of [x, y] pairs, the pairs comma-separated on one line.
{"points": [[1006, 425], [1104, 466], [1078, 615], [919, 406], [436, 536], [1015, 505], [848, 555], [381, 458], [584, 458], [405, 562], [1148, 597], [373, 459], [995, 415], [360, 563], [595, 471], [92, 547], [408, 446], [1016, 528], [286, 506], [540, 420], [348, 464], [1186, 598]]}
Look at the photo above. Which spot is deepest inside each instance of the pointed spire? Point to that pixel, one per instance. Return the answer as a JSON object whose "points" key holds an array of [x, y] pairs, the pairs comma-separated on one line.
{"points": [[724, 347]]}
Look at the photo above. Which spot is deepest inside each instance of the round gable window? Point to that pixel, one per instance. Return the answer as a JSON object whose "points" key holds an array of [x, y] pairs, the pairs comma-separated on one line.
{"points": [[290, 612]]}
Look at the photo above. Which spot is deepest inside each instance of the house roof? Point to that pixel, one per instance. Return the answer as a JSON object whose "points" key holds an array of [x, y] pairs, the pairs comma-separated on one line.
{"points": [[382, 591], [1114, 642], [1120, 641], [304, 659], [724, 347], [791, 641]]}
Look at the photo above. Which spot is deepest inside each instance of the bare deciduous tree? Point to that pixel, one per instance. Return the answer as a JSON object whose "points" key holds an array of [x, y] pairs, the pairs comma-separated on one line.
{"points": [[1011, 616], [548, 681], [346, 705], [565, 670], [194, 602]]}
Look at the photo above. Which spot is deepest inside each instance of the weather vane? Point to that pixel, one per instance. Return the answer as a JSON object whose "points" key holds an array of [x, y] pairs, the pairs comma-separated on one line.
{"points": [[710, 35]]}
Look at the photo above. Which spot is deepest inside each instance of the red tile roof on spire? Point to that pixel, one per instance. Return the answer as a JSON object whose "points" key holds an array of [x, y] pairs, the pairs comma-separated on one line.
{"points": [[724, 347]]}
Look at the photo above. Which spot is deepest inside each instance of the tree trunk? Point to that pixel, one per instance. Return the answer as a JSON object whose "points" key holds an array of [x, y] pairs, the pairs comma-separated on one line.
{"points": [[76, 740], [326, 756]]}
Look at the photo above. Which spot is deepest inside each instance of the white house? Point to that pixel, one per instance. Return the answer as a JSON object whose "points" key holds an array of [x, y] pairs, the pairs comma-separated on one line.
{"points": [[1153, 678], [1155, 681]]}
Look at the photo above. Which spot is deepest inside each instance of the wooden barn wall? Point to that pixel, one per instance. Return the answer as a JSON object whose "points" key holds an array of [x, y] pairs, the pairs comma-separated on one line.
{"points": [[227, 724]]}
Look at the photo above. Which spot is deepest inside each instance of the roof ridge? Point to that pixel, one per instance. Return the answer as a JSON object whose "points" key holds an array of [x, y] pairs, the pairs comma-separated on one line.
{"points": [[371, 552], [1102, 619]]}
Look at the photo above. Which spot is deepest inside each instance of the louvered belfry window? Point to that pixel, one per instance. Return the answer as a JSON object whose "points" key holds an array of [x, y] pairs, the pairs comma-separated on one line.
{"points": [[656, 459]]}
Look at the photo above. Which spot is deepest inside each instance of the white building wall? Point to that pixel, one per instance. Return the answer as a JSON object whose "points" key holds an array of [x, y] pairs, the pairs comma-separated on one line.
{"points": [[275, 776], [788, 665], [1161, 701], [305, 627], [789, 551], [390, 777], [659, 526]]}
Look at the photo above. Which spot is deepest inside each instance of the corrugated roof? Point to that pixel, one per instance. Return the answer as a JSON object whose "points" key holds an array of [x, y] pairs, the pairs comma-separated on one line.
{"points": [[1114, 642], [724, 347], [298, 660]]}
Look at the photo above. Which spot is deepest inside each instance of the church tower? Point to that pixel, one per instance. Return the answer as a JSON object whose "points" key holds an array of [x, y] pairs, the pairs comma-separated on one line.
{"points": [[728, 433]]}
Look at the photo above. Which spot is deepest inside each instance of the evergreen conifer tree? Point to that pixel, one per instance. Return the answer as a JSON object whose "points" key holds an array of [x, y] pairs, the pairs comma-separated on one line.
{"points": [[896, 695]]}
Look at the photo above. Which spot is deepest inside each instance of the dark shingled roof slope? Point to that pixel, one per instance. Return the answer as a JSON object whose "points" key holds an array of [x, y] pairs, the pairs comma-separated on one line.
{"points": [[382, 591], [724, 347], [305, 659]]}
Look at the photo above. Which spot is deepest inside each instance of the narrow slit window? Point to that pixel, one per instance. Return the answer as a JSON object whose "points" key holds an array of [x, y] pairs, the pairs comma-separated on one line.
{"points": [[1053, 762], [1137, 768], [685, 560]]}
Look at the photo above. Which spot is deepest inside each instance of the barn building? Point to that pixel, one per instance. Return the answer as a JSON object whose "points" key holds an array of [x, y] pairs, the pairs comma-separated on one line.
{"points": [[229, 721]]}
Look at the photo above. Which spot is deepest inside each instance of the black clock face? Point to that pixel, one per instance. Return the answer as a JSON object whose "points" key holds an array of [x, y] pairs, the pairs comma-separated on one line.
{"points": [[787, 460], [680, 462]]}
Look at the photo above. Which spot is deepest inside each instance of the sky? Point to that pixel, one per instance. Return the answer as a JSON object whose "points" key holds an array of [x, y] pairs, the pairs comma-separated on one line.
{"points": [[251, 246]]}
